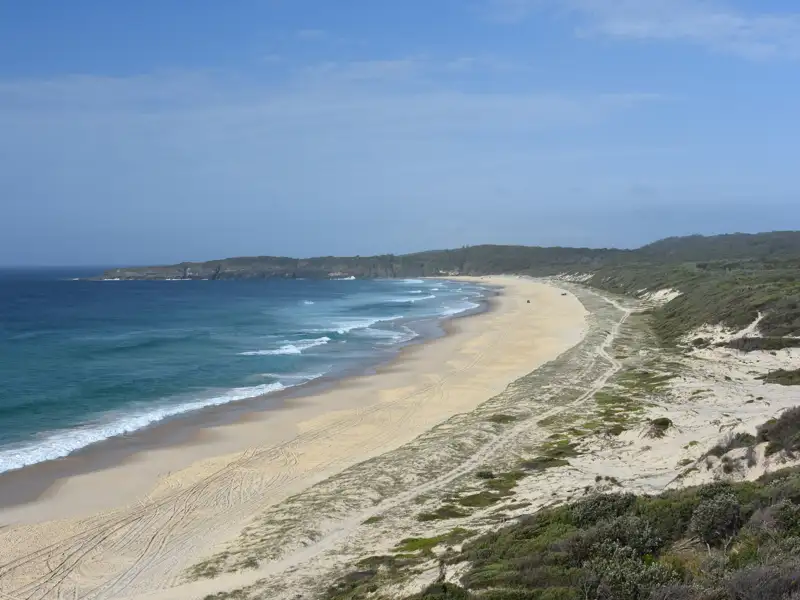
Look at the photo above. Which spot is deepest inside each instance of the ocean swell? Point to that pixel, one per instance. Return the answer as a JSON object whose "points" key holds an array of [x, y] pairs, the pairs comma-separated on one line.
{"points": [[62, 443], [413, 300], [293, 348], [346, 326]]}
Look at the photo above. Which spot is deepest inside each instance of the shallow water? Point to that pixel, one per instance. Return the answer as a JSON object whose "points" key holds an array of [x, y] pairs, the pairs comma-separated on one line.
{"points": [[83, 361]]}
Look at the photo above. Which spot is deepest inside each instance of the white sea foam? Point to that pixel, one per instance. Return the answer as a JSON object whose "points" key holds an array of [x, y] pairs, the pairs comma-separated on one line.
{"points": [[304, 377], [449, 311], [390, 337], [415, 292], [411, 281], [308, 302], [412, 300], [293, 348], [62, 443], [348, 325]]}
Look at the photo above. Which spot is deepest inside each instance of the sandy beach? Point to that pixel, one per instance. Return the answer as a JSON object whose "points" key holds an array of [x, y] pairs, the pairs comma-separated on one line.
{"points": [[133, 529]]}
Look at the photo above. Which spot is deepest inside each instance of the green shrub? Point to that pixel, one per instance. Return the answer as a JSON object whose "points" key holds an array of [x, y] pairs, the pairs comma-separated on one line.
{"points": [[782, 377], [443, 591], [600, 507], [782, 434], [748, 344], [502, 419], [626, 531], [772, 582], [669, 514], [622, 547], [455, 536], [541, 463], [623, 575], [505, 482], [447, 511], [616, 429], [530, 594], [716, 518], [732, 442], [659, 427], [481, 499], [675, 591]]}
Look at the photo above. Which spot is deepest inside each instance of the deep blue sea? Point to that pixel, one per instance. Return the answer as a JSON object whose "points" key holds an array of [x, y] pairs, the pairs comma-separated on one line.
{"points": [[83, 361]]}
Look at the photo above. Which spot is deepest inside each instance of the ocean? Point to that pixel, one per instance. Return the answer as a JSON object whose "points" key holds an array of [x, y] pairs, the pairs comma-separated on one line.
{"points": [[85, 361]]}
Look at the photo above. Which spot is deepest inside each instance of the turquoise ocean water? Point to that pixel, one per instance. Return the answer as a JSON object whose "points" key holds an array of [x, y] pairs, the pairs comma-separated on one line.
{"points": [[84, 361]]}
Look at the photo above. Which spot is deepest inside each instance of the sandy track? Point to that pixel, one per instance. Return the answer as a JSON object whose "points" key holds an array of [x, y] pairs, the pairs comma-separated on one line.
{"points": [[147, 545], [308, 542], [310, 559], [484, 455]]}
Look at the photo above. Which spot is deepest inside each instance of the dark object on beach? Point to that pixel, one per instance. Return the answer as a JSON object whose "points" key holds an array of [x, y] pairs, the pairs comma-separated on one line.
{"points": [[563, 293], [529, 301]]}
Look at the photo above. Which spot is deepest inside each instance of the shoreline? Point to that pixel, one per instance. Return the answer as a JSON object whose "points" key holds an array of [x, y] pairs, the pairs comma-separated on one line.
{"points": [[135, 528], [36, 481]]}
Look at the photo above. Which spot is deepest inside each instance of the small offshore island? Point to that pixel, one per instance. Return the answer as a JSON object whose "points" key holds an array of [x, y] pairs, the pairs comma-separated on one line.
{"points": [[620, 424]]}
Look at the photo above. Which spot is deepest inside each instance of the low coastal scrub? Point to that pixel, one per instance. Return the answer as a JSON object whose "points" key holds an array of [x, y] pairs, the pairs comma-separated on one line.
{"points": [[644, 382], [553, 453], [504, 482], [732, 442], [659, 427], [425, 545], [721, 541], [444, 512], [782, 434], [782, 377], [502, 419], [725, 291], [750, 344], [497, 486]]}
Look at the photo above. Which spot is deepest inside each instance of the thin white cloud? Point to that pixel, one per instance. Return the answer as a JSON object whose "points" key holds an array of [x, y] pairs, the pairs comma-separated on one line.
{"points": [[311, 34], [348, 141], [352, 72], [360, 93], [714, 25]]}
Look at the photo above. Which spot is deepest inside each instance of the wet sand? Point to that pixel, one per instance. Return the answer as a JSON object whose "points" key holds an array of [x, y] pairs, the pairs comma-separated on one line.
{"points": [[133, 527]]}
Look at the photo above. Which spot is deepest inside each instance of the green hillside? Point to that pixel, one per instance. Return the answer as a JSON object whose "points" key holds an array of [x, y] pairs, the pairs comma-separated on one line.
{"points": [[728, 279]]}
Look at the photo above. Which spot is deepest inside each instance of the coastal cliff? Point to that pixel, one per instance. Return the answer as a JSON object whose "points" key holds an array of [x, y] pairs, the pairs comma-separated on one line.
{"points": [[480, 260], [475, 260]]}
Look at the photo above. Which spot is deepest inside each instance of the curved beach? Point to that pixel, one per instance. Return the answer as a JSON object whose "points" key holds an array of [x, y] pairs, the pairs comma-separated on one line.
{"points": [[133, 529]]}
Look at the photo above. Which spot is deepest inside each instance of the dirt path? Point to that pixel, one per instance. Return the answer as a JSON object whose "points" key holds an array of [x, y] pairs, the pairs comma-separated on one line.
{"points": [[342, 527]]}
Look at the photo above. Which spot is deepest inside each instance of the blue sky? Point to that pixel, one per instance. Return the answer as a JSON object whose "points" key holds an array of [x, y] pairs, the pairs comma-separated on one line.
{"points": [[159, 131]]}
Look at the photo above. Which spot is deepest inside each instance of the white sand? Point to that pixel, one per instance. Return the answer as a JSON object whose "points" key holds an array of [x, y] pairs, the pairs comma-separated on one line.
{"points": [[133, 529]]}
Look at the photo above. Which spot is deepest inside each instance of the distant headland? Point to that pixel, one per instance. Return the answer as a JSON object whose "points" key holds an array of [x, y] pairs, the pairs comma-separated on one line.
{"points": [[475, 260]]}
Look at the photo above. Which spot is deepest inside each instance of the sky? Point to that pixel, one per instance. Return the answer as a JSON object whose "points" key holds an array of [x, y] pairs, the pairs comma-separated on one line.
{"points": [[158, 131]]}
